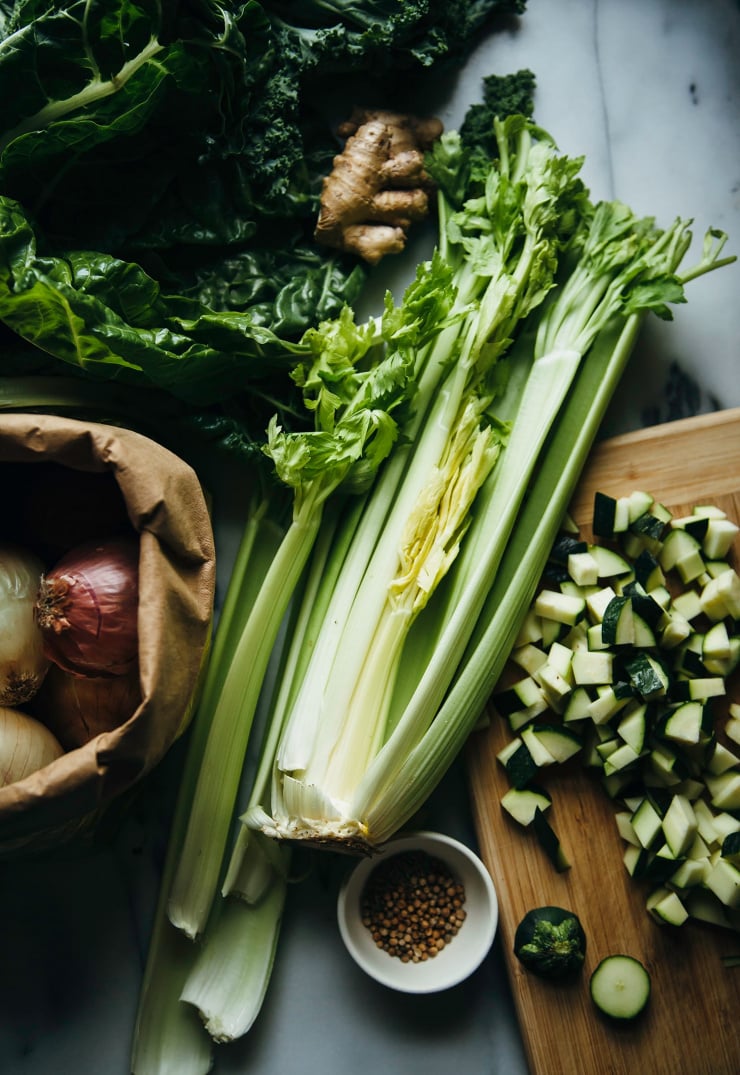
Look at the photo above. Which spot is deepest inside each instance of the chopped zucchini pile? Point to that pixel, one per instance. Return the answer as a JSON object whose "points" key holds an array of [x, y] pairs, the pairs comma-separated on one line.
{"points": [[623, 661]]}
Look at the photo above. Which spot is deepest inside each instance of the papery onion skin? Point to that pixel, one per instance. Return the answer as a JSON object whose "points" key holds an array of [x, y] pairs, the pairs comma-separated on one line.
{"points": [[25, 745], [23, 663], [87, 609], [77, 708]]}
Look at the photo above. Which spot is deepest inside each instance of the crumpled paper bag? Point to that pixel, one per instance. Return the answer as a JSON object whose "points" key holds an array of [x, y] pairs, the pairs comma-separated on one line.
{"points": [[167, 508]]}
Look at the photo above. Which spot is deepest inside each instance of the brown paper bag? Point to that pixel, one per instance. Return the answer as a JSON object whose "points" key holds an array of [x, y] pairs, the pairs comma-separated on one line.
{"points": [[165, 505]]}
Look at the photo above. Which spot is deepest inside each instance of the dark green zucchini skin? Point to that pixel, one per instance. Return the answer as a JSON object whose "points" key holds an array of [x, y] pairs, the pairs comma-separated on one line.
{"points": [[550, 942]]}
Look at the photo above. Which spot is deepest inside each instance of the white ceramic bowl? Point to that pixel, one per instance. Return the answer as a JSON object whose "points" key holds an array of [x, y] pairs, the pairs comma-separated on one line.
{"points": [[461, 956]]}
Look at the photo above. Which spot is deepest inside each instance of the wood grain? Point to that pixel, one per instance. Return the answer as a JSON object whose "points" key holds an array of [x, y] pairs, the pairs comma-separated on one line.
{"points": [[691, 1026]]}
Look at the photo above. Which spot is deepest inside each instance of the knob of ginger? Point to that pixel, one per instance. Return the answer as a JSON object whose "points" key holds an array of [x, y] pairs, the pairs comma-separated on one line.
{"points": [[378, 186]]}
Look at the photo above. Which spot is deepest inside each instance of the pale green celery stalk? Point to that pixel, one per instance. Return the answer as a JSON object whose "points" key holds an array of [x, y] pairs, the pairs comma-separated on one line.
{"points": [[197, 874], [409, 784], [234, 965], [429, 546], [326, 560], [228, 978], [168, 1038]]}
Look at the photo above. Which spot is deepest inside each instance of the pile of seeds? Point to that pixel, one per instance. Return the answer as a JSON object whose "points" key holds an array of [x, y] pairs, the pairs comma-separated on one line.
{"points": [[413, 906]]}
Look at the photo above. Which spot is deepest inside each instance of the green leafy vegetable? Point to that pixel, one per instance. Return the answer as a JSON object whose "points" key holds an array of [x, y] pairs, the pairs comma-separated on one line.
{"points": [[160, 168]]}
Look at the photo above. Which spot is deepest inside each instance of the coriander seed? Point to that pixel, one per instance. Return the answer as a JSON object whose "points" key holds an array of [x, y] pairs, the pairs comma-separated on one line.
{"points": [[413, 906]]}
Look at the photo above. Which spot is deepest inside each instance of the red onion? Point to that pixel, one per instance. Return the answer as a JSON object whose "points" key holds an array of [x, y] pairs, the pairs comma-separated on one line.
{"points": [[87, 608], [77, 708]]}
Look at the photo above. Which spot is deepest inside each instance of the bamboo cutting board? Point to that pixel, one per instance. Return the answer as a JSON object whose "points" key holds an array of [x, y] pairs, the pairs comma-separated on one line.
{"points": [[692, 1023]]}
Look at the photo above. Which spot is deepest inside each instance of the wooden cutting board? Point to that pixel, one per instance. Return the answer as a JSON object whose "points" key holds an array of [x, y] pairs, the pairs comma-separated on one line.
{"points": [[692, 1024]]}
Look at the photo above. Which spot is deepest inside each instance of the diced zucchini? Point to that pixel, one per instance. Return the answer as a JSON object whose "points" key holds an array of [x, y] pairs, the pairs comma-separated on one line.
{"points": [[583, 568], [716, 644], [621, 758], [675, 629], [678, 546], [560, 656], [541, 756], [562, 608], [521, 803], [648, 571], [623, 819], [724, 790], [617, 625], [598, 601], [564, 546], [679, 825], [528, 657], [725, 666], [687, 604], [636, 666], [518, 763], [609, 700], [723, 879], [550, 842], [704, 906], [639, 503], [632, 728], [530, 631], [648, 675], [667, 765], [721, 596], [705, 823], [689, 874], [592, 667], [524, 694], [696, 525], [611, 564], [646, 823], [555, 687], [666, 908], [719, 538], [691, 566], [560, 742], [731, 847], [684, 724], [577, 705], [700, 688], [604, 515]]}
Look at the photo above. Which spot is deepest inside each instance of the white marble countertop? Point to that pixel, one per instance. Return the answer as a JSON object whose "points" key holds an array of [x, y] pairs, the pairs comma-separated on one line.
{"points": [[650, 94]]}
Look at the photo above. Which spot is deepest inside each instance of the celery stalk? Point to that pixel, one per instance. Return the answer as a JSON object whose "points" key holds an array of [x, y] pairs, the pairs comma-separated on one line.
{"points": [[168, 1037]]}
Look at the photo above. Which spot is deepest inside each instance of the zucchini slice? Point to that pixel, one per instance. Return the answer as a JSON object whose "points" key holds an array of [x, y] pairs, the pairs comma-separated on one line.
{"points": [[620, 986]]}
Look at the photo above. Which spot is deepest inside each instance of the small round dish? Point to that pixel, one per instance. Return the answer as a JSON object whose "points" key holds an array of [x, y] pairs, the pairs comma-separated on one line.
{"points": [[461, 956]]}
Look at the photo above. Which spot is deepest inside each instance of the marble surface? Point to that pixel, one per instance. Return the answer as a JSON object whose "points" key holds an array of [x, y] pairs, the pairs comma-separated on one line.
{"points": [[650, 94]]}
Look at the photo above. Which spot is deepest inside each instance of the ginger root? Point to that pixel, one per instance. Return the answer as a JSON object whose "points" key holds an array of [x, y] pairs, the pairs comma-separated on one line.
{"points": [[378, 186]]}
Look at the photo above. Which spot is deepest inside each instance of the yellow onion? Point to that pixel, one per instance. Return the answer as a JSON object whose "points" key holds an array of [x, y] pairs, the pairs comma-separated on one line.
{"points": [[23, 663], [25, 745], [77, 708]]}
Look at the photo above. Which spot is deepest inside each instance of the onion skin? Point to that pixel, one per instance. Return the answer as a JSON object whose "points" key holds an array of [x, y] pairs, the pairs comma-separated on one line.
{"points": [[87, 609], [25, 745], [77, 708]]}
